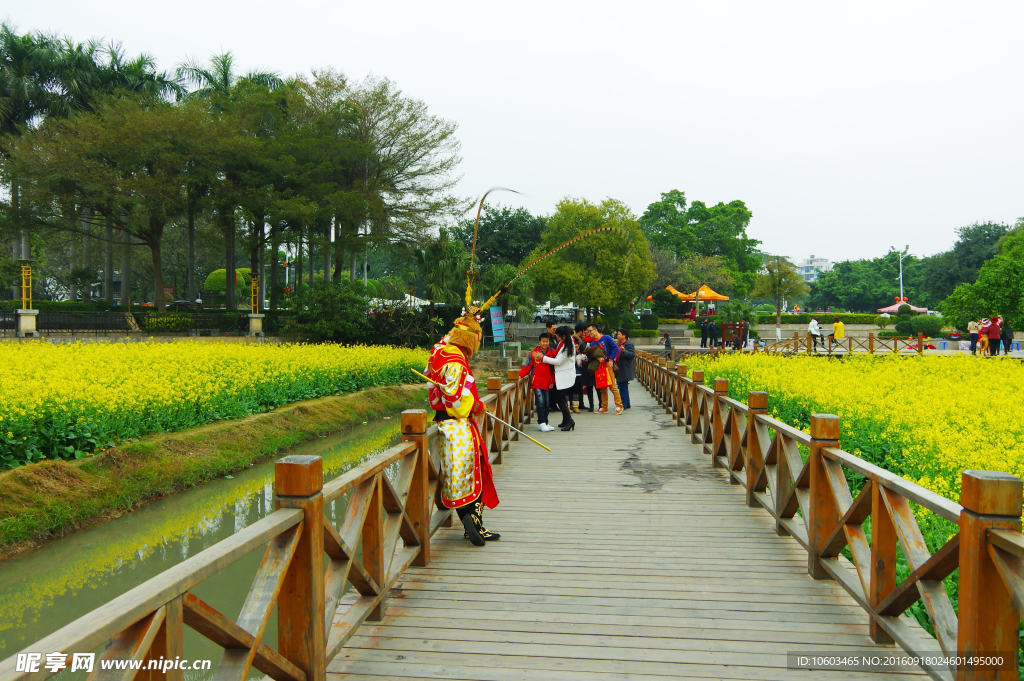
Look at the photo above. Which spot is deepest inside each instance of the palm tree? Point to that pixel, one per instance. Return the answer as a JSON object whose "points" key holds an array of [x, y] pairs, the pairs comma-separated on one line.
{"points": [[219, 77], [26, 95], [214, 81], [443, 265]]}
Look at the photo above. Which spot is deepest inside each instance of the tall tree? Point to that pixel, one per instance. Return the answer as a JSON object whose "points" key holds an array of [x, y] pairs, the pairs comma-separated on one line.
{"points": [[779, 281], [505, 235], [408, 178], [699, 230], [129, 159], [606, 270]]}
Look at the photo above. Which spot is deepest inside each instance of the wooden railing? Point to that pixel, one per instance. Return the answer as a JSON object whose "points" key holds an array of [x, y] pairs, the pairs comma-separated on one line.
{"points": [[804, 343], [801, 479], [388, 525]]}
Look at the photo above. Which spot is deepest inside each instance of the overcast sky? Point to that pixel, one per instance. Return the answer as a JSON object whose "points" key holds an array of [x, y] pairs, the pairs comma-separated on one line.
{"points": [[846, 128]]}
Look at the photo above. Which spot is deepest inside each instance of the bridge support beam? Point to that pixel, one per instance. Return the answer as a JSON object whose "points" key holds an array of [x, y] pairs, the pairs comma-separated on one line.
{"points": [[823, 514]]}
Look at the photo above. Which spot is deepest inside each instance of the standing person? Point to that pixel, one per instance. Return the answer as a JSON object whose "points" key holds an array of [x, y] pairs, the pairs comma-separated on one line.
{"points": [[983, 337], [666, 340], [744, 333], [585, 374], [611, 353], [815, 332], [466, 481], [973, 327], [712, 333], [563, 359], [625, 362], [1007, 337], [550, 329], [995, 336], [703, 333], [542, 381]]}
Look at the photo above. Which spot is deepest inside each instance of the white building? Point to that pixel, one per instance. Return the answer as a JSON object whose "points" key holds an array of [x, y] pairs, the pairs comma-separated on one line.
{"points": [[810, 267]]}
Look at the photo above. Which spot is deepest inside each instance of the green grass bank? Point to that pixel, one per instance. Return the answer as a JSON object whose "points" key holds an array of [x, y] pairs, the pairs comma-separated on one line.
{"points": [[50, 498]]}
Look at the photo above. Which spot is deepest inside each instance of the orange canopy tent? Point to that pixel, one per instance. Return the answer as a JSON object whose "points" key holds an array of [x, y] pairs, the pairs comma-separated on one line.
{"points": [[706, 294]]}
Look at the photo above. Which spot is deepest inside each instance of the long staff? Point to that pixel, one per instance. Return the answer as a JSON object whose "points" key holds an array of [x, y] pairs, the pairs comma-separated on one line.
{"points": [[489, 414]]}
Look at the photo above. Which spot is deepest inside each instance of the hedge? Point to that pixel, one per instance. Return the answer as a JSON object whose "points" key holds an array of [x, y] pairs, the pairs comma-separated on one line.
{"points": [[822, 317], [643, 333]]}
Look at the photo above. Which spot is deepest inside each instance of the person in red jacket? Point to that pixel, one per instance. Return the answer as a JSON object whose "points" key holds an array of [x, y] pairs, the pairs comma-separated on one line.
{"points": [[543, 381], [995, 335]]}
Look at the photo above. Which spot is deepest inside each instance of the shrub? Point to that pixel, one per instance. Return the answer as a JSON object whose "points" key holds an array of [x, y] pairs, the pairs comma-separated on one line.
{"points": [[889, 334], [929, 325], [648, 321], [643, 333], [904, 310], [166, 323], [904, 328], [218, 279], [827, 317], [882, 322]]}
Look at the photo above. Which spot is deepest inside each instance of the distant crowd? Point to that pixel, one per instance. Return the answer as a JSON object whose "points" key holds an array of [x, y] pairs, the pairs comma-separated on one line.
{"points": [[988, 334]]}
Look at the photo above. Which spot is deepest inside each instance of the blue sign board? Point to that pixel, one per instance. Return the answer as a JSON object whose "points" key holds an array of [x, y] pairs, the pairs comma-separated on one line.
{"points": [[497, 324]]}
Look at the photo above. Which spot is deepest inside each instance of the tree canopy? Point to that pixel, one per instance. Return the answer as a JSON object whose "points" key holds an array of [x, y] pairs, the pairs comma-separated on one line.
{"points": [[606, 270], [718, 231], [505, 235]]}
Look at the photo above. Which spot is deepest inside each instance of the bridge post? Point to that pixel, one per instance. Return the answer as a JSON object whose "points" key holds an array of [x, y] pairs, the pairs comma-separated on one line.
{"points": [[518, 404], [822, 514], [670, 386], [757, 403], [698, 380], [680, 411], [301, 610], [988, 620], [717, 426], [871, 342], [418, 506]]}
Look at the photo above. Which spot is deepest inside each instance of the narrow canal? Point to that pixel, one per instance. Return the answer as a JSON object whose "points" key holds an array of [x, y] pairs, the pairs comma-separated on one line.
{"points": [[56, 584]]}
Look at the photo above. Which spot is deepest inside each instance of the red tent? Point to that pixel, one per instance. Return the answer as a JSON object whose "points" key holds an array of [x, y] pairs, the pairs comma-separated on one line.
{"points": [[892, 309]]}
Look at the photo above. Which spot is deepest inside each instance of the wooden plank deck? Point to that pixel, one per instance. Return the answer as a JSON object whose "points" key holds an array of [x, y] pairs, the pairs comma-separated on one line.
{"points": [[624, 555]]}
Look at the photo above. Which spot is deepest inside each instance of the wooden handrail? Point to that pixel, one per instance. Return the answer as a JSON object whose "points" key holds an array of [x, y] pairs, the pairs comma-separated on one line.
{"points": [[812, 502], [388, 524]]}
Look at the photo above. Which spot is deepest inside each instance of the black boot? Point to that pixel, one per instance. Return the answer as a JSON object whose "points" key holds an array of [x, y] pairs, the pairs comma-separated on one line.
{"points": [[471, 524], [478, 517]]}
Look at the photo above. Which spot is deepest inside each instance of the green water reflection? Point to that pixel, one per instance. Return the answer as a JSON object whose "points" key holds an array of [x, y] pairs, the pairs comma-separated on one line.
{"points": [[54, 585]]}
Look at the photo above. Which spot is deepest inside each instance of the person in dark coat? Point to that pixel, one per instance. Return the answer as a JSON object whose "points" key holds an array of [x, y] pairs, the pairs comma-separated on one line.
{"points": [[1007, 337], [703, 333], [626, 365], [712, 334]]}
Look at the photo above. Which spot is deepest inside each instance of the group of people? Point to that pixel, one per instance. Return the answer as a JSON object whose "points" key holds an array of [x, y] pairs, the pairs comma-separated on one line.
{"points": [[838, 332], [988, 334], [570, 363], [712, 334]]}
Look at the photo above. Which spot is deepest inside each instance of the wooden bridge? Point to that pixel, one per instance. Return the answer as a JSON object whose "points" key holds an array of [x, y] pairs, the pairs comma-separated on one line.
{"points": [[691, 537]]}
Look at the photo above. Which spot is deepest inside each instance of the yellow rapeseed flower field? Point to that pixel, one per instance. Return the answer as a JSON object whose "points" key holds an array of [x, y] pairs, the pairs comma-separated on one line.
{"points": [[926, 418], [64, 401]]}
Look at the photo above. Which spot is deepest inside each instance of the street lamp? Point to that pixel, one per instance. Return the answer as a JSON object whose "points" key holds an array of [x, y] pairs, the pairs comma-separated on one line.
{"points": [[902, 255]]}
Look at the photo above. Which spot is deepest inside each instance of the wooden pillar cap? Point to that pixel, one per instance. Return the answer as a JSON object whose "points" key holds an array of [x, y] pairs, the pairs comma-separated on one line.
{"points": [[991, 493], [757, 400], [414, 421], [494, 383], [512, 375], [721, 385], [824, 427], [698, 376], [681, 369], [298, 476]]}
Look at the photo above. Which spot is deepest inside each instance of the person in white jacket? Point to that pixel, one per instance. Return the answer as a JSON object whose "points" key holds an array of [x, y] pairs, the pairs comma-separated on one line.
{"points": [[815, 332], [563, 358]]}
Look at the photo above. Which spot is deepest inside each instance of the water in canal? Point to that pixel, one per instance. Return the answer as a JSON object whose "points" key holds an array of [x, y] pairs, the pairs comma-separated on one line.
{"points": [[55, 584]]}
